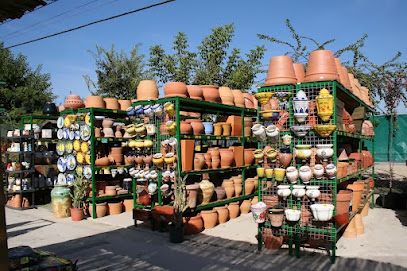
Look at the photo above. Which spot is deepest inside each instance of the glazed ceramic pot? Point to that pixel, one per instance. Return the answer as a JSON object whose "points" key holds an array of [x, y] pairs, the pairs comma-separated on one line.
{"points": [[208, 128], [292, 174], [227, 158], [279, 174], [220, 192], [207, 191], [287, 139], [298, 191], [175, 89], [343, 199], [325, 151], [285, 157], [321, 67], [248, 157], [248, 186], [195, 92], [270, 153], [147, 90], [312, 192], [50, 109], [322, 212], [197, 127], [169, 108], [319, 171], [234, 210], [300, 130], [210, 217], [193, 225], [259, 132], [325, 104], [305, 174], [299, 72], [226, 96], [239, 99], [301, 106], [283, 191], [303, 151], [259, 212], [330, 171], [61, 201], [281, 72], [112, 103], [192, 194], [158, 159], [276, 216], [324, 130], [211, 93], [223, 214], [245, 207], [292, 215], [273, 132], [73, 101], [263, 97]]}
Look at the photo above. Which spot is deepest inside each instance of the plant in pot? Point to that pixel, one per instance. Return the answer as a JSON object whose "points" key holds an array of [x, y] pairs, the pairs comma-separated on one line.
{"points": [[208, 123], [176, 228], [80, 185]]}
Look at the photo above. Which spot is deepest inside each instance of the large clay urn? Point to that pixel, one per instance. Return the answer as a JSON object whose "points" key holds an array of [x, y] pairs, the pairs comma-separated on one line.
{"points": [[248, 100], [226, 96], [199, 161], [245, 207], [112, 103], [346, 78], [210, 218], [192, 194], [175, 89], [226, 158], [195, 92], [321, 67], [186, 128], [211, 93], [223, 214], [94, 102], [207, 191], [193, 225], [234, 210], [299, 72], [73, 101], [281, 72], [147, 90], [197, 127], [116, 153], [238, 98]]}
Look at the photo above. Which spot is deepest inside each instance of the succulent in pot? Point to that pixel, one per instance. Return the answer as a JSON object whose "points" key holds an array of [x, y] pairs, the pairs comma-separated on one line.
{"points": [[80, 185]]}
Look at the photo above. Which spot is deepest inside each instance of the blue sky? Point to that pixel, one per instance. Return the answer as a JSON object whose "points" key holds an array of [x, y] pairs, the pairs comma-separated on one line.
{"points": [[66, 58]]}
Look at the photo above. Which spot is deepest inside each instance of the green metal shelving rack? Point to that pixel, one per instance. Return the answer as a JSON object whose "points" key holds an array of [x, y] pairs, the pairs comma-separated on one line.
{"points": [[330, 232]]}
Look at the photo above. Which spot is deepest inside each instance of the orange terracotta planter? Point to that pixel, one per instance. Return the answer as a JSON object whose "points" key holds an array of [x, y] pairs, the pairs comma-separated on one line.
{"points": [[226, 96], [210, 218], [73, 101], [223, 214], [346, 78], [299, 72], [187, 154], [248, 157], [238, 155], [193, 225], [195, 92], [115, 208], [128, 205], [147, 90], [343, 199], [94, 102], [245, 207], [186, 128], [227, 158], [281, 72], [124, 104], [112, 103], [211, 93], [239, 99], [234, 210], [321, 67], [175, 89], [197, 127], [248, 100]]}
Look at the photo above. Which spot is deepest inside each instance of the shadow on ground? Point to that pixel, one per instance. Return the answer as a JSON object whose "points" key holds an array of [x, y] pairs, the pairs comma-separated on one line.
{"points": [[141, 249], [26, 227]]}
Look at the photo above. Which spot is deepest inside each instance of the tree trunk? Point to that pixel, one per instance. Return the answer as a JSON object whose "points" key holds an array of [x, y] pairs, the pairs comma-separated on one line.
{"points": [[391, 152]]}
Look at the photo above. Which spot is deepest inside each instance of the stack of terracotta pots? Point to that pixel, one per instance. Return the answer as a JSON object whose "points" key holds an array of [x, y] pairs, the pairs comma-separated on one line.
{"points": [[343, 199], [215, 157]]}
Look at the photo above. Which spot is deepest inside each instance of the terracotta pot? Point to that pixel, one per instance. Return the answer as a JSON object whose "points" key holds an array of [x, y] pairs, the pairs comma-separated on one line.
{"points": [[211, 93], [227, 158], [238, 189], [128, 205], [199, 161], [124, 104], [187, 154], [223, 214], [342, 219], [271, 241], [195, 92], [340, 71], [248, 157], [193, 225], [281, 72], [115, 208], [197, 127], [285, 159], [215, 163], [101, 209], [107, 123], [210, 217], [248, 100], [249, 186], [143, 197], [226, 96], [350, 231], [220, 192], [103, 162], [98, 132], [148, 160], [346, 78], [321, 67], [73, 101], [255, 200], [61, 108], [270, 201], [217, 129], [76, 214], [139, 160], [175, 89], [116, 153], [234, 210], [147, 90], [343, 199], [94, 102], [229, 189], [245, 207], [214, 152], [227, 128], [208, 160], [129, 160], [238, 98], [186, 128], [192, 194], [112, 103], [360, 229], [357, 189], [207, 189], [299, 72]]}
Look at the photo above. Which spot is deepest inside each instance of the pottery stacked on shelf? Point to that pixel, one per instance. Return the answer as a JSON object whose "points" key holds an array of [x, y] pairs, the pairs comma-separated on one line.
{"points": [[281, 72], [73, 101], [147, 90]]}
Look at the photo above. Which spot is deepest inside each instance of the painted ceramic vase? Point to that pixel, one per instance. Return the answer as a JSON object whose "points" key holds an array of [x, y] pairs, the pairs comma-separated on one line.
{"points": [[300, 130], [208, 128], [292, 174], [73, 101], [325, 151], [325, 130], [287, 139], [61, 201], [270, 153], [273, 132], [322, 212], [305, 174], [325, 104], [169, 108], [301, 106], [285, 157], [279, 174], [259, 132], [207, 190], [330, 170], [319, 171], [303, 151]]}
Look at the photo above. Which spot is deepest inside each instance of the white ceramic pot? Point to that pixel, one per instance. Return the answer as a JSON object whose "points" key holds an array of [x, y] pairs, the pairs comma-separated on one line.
{"points": [[312, 192], [325, 151], [319, 171], [259, 131], [152, 188], [150, 129], [301, 106], [322, 212], [303, 151], [272, 131], [259, 212], [158, 110], [292, 215], [305, 174], [330, 170], [287, 139], [292, 174], [298, 191], [283, 190]]}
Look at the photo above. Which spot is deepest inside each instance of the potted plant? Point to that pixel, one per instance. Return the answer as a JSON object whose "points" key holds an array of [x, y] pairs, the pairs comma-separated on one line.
{"points": [[80, 185], [208, 124], [176, 228]]}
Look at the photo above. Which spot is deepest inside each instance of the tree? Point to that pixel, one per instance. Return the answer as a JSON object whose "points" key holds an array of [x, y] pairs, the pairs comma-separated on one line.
{"points": [[25, 90], [212, 63], [118, 74]]}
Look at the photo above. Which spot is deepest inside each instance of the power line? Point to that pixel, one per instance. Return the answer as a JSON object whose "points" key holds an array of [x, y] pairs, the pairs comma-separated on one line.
{"points": [[95, 22]]}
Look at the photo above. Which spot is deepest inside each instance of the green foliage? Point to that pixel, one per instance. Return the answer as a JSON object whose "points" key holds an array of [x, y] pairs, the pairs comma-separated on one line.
{"points": [[80, 184], [212, 63], [118, 74], [180, 200], [26, 90]]}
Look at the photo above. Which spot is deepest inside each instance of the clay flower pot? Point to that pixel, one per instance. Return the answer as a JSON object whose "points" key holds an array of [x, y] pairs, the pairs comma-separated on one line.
{"points": [[192, 193], [207, 191], [220, 192], [239, 99], [248, 157], [199, 161], [227, 128], [124, 104], [193, 225], [343, 199], [229, 189], [340, 71], [175, 89], [128, 205], [285, 158], [115, 208], [227, 158], [245, 207], [223, 214], [186, 128], [346, 80], [116, 153], [197, 127], [73, 101], [195, 92], [281, 72], [249, 187], [321, 67], [76, 214], [94, 102], [211, 93], [299, 72], [147, 90], [210, 217], [101, 209], [248, 100], [112, 103], [234, 210], [226, 96]]}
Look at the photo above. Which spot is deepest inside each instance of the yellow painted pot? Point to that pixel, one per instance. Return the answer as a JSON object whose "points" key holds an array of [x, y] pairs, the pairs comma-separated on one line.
{"points": [[169, 158], [140, 129], [269, 173], [139, 143], [158, 159], [271, 154], [325, 130], [148, 143], [171, 127], [169, 109], [263, 97], [325, 104], [260, 172], [132, 143], [279, 174], [258, 154], [217, 128], [131, 129]]}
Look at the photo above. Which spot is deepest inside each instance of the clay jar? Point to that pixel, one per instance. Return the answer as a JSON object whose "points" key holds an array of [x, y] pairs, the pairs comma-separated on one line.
{"points": [[115, 208], [94, 102], [199, 161], [226, 158], [195, 92], [220, 192], [340, 72], [248, 157], [124, 104], [229, 188], [207, 190], [192, 193], [245, 207], [238, 98], [226, 96], [346, 80], [248, 186], [285, 158], [227, 128], [101, 209], [299, 72], [281, 72], [210, 217], [186, 128], [193, 225], [233, 208], [197, 127], [248, 123], [211, 93], [107, 123], [116, 153], [321, 67], [112, 103], [357, 189], [147, 90], [248, 100], [175, 89], [214, 152], [343, 201], [73, 101], [223, 214]]}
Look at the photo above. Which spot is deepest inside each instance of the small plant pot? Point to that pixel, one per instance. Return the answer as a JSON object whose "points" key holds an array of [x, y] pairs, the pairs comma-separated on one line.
{"points": [[176, 234], [76, 214]]}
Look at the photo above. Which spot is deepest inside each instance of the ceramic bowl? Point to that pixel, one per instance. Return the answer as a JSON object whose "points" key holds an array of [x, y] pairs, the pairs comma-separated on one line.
{"points": [[300, 130], [292, 215], [322, 212], [325, 130], [263, 97]]}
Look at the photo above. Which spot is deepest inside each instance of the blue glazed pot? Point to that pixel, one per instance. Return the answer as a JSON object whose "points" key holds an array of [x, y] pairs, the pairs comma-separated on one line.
{"points": [[208, 126]]}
